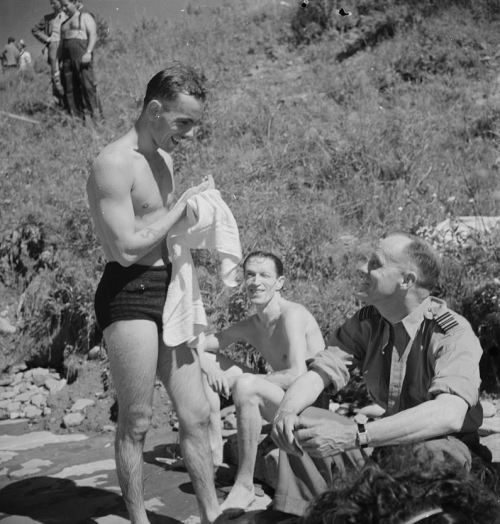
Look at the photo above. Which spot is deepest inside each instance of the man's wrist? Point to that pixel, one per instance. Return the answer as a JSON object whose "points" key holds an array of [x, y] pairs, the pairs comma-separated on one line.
{"points": [[362, 435]]}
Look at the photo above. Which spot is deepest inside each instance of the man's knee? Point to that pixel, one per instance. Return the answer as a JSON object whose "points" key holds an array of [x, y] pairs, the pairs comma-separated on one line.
{"points": [[135, 422], [245, 388], [194, 418]]}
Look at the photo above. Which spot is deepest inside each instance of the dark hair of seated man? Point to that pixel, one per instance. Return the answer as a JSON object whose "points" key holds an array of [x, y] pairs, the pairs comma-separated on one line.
{"points": [[404, 487]]}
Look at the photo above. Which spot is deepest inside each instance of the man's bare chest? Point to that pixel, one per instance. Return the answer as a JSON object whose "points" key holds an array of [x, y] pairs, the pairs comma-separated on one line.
{"points": [[151, 189], [273, 346]]}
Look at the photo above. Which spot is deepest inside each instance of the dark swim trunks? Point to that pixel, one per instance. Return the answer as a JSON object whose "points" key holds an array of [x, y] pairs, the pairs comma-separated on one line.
{"points": [[129, 293]]}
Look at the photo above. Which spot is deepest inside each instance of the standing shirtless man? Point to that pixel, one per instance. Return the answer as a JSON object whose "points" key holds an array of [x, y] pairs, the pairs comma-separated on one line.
{"points": [[129, 193], [286, 335]]}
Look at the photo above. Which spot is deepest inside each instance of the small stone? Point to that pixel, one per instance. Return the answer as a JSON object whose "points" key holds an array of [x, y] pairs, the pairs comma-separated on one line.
{"points": [[13, 406], [15, 414], [46, 411], [94, 353], [489, 409], [108, 427], [17, 379], [32, 412], [82, 404], [4, 414], [7, 394], [38, 400], [39, 376], [489, 426], [53, 385], [333, 406], [230, 421], [5, 380], [21, 366], [6, 327], [73, 419], [23, 397]]}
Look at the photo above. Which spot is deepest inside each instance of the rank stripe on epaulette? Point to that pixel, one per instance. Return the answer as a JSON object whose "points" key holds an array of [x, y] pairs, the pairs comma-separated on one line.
{"points": [[446, 322], [367, 312]]}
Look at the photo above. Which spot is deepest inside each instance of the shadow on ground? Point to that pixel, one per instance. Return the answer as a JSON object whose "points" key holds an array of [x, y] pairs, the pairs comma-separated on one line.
{"points": [[61, 501]]}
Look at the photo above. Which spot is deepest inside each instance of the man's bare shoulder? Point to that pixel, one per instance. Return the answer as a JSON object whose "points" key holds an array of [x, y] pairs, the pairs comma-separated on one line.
{"points": [[115, 162], [293, 311]]}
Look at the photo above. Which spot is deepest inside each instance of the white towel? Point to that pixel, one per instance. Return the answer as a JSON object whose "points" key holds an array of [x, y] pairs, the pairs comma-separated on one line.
{"points": [[208, 224]]}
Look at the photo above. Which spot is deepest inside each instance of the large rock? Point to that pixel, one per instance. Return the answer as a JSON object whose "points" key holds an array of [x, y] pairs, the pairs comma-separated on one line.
{"points": [[82, 404], [73, 419], [38, 400], [39, 376], [54, 385], [489, 426], [489, 409], [32, 412]]}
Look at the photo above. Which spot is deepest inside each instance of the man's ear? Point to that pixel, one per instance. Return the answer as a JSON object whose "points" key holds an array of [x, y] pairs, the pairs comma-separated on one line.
{"points": [[409, 279], [153, 109], [280, 283]]}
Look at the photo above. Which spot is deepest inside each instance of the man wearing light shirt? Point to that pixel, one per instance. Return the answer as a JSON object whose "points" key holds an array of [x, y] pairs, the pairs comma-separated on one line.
{"points": [[419, 361]]}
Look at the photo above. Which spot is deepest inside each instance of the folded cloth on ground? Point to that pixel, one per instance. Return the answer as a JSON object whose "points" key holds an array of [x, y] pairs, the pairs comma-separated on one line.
{"points": [[208, 224]]}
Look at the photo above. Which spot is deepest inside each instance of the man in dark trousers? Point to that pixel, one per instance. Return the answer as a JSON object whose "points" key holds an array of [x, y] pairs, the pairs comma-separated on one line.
{"points": [[78, 40], [48, 31]]}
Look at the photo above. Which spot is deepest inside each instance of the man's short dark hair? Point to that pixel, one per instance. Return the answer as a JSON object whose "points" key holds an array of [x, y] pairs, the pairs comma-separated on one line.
{"points": [[176, 78], [425, 259], [278, 264], [10, 39]]}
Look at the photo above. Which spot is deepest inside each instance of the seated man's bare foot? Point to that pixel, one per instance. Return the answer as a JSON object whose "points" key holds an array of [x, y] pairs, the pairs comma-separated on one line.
{"points": [[240, 497]]}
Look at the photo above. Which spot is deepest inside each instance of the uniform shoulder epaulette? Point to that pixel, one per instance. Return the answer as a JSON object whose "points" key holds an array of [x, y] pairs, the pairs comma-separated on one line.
{"points": [[446, 321], [368, 312]]}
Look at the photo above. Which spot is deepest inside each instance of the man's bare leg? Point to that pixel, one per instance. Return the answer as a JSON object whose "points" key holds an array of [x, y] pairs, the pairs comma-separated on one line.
{"points": [[254, 398], [232, 371], [214, 426], [180, 372], [133, 350]]}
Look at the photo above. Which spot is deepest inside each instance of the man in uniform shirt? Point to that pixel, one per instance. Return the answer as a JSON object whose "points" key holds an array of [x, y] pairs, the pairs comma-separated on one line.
{"points": [[419, 360]]}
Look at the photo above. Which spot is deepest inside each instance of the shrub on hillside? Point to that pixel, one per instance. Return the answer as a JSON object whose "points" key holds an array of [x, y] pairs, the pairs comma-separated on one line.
{"points": [[57, 317]]}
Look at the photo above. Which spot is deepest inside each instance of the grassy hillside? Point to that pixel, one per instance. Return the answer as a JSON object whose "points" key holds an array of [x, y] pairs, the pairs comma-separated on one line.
{"points": [[320, 132]]}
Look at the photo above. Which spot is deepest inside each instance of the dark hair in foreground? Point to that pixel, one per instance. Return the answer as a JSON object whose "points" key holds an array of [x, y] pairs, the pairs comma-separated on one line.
{"points": [[407, 487], [278, 264], [176, 78], [424, 257]]}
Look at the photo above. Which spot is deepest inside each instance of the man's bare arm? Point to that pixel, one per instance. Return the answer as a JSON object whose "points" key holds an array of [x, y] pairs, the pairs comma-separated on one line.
{"points": [[237, 332], [91, 29], [111, 206], [443, 415]]}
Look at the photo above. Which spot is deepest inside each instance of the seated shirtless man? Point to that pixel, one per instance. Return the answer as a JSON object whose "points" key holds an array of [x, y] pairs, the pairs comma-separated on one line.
{"points": [[286, 334]]}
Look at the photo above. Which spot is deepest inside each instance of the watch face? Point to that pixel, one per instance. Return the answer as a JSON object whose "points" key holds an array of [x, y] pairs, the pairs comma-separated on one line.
{"points": [[360, 418]]}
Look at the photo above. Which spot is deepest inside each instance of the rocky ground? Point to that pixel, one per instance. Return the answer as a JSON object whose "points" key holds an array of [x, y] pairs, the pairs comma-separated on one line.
{"points": [[87, 404]]}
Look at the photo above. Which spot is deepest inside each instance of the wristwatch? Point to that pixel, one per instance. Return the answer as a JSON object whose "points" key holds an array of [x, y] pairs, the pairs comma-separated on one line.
{"points": [[362, 434]]}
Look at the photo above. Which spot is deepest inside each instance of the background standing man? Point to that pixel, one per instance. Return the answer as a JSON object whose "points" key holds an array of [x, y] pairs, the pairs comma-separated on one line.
{"points": [[48, 31], [10, 55], [419, 360], [78, 40], [286, 335], [129, 193]]}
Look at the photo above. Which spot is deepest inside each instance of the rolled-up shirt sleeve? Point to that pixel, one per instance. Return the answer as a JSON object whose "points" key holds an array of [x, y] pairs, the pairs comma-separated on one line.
{"points": [[457, 366], [346, 349]]}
